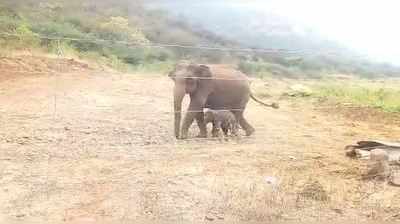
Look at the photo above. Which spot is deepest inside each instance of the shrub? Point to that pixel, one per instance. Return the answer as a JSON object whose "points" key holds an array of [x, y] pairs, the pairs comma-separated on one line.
{"points": [[118, 28], [261, 69], [26, 38], [58, 29], [117, 63], [8, 24], [159, 67], [63, 48]]}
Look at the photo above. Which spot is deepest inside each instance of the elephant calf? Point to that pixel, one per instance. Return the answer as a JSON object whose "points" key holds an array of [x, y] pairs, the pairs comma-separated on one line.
{"points": [[222, 119]]}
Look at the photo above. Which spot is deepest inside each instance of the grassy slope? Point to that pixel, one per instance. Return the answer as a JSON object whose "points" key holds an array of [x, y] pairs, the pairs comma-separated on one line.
{"points": [[111, 20], [383, 95]]}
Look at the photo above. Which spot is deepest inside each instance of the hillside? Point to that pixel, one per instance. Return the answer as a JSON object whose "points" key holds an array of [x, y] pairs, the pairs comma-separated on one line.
{"points": [[248, 26], [175, 23], [106, 20], [255, 28]]}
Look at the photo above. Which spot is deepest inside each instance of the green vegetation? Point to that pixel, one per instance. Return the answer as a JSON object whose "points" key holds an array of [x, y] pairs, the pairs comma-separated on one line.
{"points": [[284, 68], [314, 67], [263, 69], [364, 94], [29, 20]]}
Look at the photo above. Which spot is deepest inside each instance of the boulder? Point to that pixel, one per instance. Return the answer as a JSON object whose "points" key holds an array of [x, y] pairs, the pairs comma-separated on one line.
{"points": [[299, 90], [378, 166], [395, 179]]}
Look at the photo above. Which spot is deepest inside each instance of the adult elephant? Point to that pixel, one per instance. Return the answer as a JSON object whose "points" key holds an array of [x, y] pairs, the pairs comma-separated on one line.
{"points": [[214, 87]]}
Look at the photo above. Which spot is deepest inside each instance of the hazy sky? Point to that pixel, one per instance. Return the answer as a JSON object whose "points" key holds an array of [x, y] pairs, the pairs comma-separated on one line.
{"points": [[371, 26]]}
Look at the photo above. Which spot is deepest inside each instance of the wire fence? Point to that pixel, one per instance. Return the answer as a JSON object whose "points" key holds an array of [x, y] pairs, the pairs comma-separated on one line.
{"points": [[120, 73], [193, 47], [62, 68]]}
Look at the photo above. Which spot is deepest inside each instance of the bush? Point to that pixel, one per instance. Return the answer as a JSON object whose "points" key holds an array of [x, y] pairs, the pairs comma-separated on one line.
{"points": [[159, 67], [26, 38], [8, 24], [118, 28], [71, 20], [63, 48], [58, 29], [117, 63], [262, 69]]}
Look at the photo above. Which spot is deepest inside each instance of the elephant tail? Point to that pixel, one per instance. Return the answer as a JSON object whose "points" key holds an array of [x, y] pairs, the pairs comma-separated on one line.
{"points": [[273, 105]]}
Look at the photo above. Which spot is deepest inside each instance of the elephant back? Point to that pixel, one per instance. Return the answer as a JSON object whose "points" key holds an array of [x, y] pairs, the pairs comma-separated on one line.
{"points": [[226, 71]]}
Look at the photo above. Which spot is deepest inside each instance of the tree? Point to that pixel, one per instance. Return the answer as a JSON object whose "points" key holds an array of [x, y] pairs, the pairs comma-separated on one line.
{"points": [[118, 28]]}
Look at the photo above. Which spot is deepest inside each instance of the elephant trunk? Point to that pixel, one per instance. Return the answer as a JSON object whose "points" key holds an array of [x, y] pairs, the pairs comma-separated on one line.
{"points": [[179, 93]]}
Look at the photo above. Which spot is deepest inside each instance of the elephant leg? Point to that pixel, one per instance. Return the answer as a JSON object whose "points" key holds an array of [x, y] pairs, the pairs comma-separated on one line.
{"points": [[187, 122], [234, 130], [216, 129], [224, 135], [194, 111], [202, 125], [225, 128], [220, 128], [243, 123]]}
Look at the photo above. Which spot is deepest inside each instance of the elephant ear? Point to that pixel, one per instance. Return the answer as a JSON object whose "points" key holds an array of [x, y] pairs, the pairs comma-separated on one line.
{"points": [[181, 65], [203, 71], [171, 75]]}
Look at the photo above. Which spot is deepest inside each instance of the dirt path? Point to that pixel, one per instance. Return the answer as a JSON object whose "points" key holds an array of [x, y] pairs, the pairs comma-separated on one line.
{"points": [[93, 146]]}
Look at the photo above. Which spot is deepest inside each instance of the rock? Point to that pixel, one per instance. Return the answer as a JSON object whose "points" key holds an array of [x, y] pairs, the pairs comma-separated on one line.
{"points": [[214, 215], [378, 166], [209, 218], [338, 210], [362, 154], [20, 215], [317, 157], [351, 151], [299, 90], [220, 217], [83, 220], [395, 179], [315, 191], [379, 155], [397, 161], [272, 180]]}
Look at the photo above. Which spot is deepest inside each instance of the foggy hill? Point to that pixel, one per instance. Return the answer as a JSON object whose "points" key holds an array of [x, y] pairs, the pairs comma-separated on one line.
{"points": [[256, 28], [209, 23], [248, 26]]}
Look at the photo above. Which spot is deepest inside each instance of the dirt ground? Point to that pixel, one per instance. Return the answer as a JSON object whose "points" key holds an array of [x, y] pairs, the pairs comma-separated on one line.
{"points": [[89, 146]]}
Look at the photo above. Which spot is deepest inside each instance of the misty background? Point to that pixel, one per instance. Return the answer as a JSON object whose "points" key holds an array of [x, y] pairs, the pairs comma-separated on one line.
{"points": [[340, 37], [364, 26]]}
